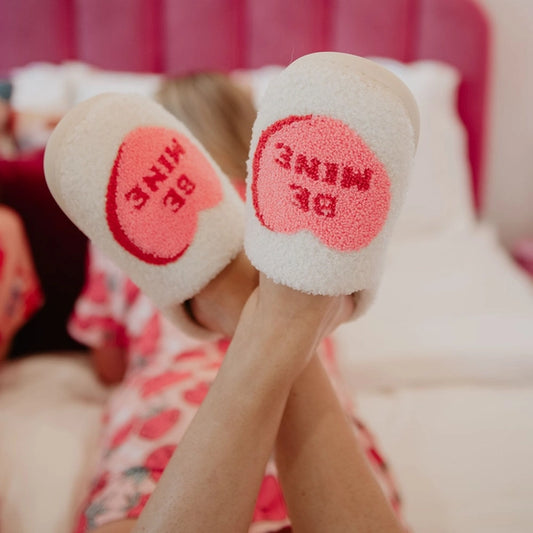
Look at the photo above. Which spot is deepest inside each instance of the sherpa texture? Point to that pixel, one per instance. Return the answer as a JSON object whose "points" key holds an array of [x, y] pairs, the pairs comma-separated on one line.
{"points": [[331, 150], [137, 183]]}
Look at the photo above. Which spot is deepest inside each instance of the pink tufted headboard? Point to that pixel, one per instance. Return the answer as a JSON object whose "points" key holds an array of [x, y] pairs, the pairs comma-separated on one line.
{"points": [[176, 36]]}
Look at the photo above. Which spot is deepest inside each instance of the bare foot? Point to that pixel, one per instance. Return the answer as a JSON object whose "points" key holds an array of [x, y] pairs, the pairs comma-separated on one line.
{"points": [[219, 305], [287, 324]]}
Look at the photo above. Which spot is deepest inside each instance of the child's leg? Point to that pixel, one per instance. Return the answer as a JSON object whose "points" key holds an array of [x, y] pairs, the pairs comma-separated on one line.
{"points": [[331, 149], [326, 479], [212, 481], [218, 306]]}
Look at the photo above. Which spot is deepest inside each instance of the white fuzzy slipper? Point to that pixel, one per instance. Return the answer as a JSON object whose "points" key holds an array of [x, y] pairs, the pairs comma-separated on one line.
{"points": [[137, 183], [331, 150]]}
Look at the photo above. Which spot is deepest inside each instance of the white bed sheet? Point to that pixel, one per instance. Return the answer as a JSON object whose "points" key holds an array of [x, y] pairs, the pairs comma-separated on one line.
{"points": [[452, 308], [50, 411], [462, 455]]}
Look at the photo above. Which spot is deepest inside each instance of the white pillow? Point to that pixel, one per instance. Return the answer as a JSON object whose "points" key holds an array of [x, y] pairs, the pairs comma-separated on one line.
{"points": [[50, 422], [438, 198], [41, 88], [44, 92], [54, 88], [97, 81]]}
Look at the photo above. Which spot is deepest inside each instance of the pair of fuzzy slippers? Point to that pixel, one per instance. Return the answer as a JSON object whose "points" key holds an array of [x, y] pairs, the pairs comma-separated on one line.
{"points": [[331, 149]]}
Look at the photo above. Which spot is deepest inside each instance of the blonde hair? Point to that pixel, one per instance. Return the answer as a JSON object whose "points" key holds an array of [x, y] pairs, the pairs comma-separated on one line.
{"points": [[218, 112]]}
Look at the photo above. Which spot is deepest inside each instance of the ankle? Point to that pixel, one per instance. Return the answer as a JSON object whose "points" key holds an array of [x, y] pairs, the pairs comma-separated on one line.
{"points": [[315, 315], [276, 345], [219, 305]]}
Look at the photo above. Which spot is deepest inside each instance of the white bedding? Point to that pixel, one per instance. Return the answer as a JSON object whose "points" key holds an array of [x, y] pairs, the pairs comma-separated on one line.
{"points": [[441, 369], [452, 309], [50, 409], [462, 455]]}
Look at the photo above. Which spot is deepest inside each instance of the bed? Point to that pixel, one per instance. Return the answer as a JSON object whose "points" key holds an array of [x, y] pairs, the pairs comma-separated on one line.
{"points": [[441, 367]]}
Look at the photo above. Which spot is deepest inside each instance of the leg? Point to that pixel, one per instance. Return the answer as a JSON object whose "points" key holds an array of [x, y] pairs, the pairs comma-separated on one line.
{"points": [[312, 414], [311, 171], [327, 482], [213, 478]]}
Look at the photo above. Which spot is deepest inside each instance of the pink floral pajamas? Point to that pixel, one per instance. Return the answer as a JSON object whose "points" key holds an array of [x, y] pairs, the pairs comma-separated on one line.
{"points": [[167, 378], [20, 290]]}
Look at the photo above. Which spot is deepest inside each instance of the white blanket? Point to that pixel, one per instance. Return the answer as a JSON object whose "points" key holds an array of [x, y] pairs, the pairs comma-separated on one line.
{"points": [[50, 408], [462, 455], [452, 308]]}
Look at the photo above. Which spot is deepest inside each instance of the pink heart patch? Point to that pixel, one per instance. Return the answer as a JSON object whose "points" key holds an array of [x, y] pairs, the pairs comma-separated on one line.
{"points": [[314, 173], [159, 183]]}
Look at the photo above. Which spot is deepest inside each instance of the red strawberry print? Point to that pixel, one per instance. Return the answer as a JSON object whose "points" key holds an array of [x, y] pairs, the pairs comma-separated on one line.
{"points": [[114, 332], [33, 300], [158, 383], [82, 524], [270, 504], [190, 354], [223, 345], [122, 434], [100, 485], [147, 342], [96, 289], [142, 500], [215, 365], [131, 291], [197, 394], [159, 424], [157, 461]]}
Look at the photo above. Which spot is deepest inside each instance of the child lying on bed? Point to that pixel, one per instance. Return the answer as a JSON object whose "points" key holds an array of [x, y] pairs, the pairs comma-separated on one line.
{"points": [[278, 386]]}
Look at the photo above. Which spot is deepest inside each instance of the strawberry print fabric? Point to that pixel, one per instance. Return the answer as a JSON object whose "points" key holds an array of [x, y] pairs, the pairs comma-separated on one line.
{"points": [[20, 290], [168, 377]]}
